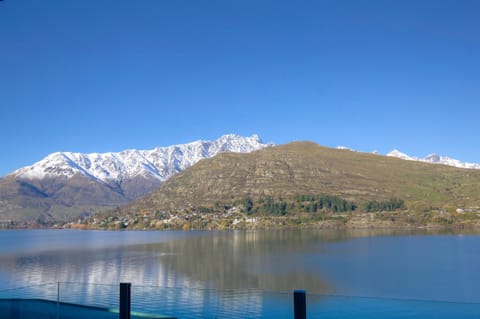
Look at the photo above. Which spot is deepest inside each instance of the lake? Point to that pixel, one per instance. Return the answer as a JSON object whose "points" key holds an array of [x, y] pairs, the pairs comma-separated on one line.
{"points": [[232, 274]]}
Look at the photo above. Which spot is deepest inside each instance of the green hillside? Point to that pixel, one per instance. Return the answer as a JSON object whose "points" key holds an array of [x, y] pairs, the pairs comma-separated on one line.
{"points": [[307, 168], [303, 177]]}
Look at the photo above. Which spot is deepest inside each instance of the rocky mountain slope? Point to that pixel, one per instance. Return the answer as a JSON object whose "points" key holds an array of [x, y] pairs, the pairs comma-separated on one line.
{"points": [[66, 184], [307, 168]]}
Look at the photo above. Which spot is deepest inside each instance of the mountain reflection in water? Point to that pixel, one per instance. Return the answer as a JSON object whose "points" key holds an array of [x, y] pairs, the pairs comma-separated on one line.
{"points": [[273, 260], [220, 260], [260, 260]]}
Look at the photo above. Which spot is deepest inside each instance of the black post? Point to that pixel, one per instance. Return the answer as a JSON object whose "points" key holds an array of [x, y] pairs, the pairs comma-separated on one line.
{"points": [[125, 288], [300, 304]]}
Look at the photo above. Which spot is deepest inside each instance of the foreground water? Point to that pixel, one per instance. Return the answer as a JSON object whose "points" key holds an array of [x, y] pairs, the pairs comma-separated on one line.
{"points": [[253, 271]]}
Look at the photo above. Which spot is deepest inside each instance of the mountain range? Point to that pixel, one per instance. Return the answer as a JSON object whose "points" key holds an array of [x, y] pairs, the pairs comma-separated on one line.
{"points": [[65, 184]]}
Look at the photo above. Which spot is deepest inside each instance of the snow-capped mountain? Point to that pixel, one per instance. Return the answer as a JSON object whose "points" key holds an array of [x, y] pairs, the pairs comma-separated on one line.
{"points": [[432, 158], [398, 154], [66, 184], [160, 163], [435, 159]]}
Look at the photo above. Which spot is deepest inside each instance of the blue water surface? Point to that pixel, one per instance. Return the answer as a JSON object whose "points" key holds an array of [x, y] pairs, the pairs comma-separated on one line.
{"points": [[249, 274]]}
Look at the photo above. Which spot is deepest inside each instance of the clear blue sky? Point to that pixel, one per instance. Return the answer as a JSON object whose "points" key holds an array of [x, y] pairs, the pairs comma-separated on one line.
{"points": [[107, 75]]}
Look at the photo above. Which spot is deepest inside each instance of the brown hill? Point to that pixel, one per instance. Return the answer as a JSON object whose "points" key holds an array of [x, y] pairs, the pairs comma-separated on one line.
{"points": [[51, 199], [307, 168]]}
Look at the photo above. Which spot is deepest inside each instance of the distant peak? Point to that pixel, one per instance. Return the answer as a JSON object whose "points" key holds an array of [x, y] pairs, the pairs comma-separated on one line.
{"points": [[341, 147], [398, 154], [433, 158], [395, 152]]}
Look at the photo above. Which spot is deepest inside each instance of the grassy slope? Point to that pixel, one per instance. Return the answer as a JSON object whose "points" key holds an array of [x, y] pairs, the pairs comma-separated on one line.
{"points": [[307, 168], [53, 199]]}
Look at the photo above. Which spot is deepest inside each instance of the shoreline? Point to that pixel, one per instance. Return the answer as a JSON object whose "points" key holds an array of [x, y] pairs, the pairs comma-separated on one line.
{"points": [[209, 223]]}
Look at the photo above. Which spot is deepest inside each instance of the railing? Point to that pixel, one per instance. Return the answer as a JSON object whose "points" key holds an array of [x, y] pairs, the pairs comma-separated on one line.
{"points": [[77, 300]]}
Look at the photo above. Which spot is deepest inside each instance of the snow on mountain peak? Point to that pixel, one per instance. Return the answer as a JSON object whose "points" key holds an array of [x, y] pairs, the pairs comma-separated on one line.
{"points": [[160, 163], [396, 153], [341, 147], [431, 158], [435, 159]]}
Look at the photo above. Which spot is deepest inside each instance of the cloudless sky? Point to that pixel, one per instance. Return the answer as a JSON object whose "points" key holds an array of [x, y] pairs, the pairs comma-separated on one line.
{"points": [[107, 75]]}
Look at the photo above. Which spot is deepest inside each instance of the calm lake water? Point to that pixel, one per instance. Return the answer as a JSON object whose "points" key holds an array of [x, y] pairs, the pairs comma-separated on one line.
{"points": [[256, 265]]}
